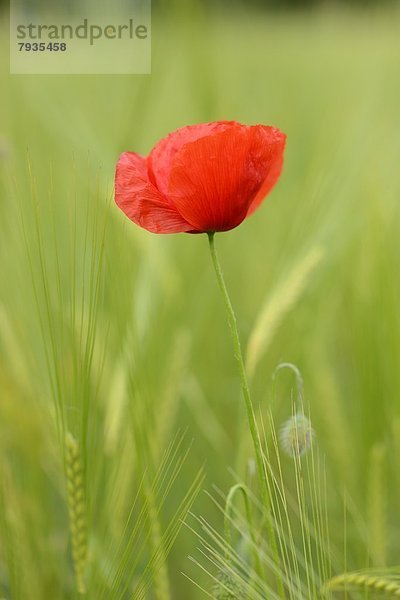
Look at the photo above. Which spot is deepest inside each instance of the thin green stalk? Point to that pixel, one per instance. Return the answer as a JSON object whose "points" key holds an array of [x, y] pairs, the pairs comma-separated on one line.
{"points": [[228, 519], [247, 399]]}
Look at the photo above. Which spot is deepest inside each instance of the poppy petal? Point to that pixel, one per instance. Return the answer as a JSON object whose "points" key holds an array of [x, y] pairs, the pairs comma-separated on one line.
{"points": [[161, 157], [214, 179], [140, 200], [276, 141]]}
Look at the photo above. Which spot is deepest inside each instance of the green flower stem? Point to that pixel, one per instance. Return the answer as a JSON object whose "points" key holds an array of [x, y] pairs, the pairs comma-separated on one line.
{"points": [[228, 519], [242, 371], [247, 399]]}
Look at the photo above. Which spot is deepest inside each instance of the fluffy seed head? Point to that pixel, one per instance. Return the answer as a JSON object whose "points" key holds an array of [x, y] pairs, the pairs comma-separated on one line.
{"points": [[297, 435]]}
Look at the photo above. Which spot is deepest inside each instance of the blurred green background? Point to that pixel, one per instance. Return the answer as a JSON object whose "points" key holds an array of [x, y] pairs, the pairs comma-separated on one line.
{"points": [[127, 329]]}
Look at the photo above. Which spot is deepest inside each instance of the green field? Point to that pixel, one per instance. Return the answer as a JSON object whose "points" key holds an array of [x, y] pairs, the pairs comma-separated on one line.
{"points": [[115, 355]]}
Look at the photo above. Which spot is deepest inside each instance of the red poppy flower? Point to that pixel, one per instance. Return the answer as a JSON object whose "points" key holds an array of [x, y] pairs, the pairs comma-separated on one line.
{"points": [[201, 178]]}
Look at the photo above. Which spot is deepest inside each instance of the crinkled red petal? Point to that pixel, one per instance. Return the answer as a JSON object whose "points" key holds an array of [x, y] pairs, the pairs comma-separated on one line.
{"points": [[141, 201], [215, 179]]}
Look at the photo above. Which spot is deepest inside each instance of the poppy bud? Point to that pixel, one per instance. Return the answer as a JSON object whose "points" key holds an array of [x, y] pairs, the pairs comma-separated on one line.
{"points": [[297, 435]]}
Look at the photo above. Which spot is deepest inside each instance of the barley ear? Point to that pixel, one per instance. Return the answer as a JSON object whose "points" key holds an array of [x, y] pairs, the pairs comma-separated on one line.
{"points": [[77, 509], [365, 581]]}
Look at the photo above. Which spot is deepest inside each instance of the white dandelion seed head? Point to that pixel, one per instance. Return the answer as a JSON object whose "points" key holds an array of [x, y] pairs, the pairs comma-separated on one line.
{"points": [[297, 435]]}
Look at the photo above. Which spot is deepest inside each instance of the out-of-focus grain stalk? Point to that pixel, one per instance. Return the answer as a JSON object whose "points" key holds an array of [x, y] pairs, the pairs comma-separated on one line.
{"points": [[77, 509]]}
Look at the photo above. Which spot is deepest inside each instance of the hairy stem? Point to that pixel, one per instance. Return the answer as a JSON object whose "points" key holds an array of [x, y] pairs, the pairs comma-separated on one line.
{"points": [[262, 476]]}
